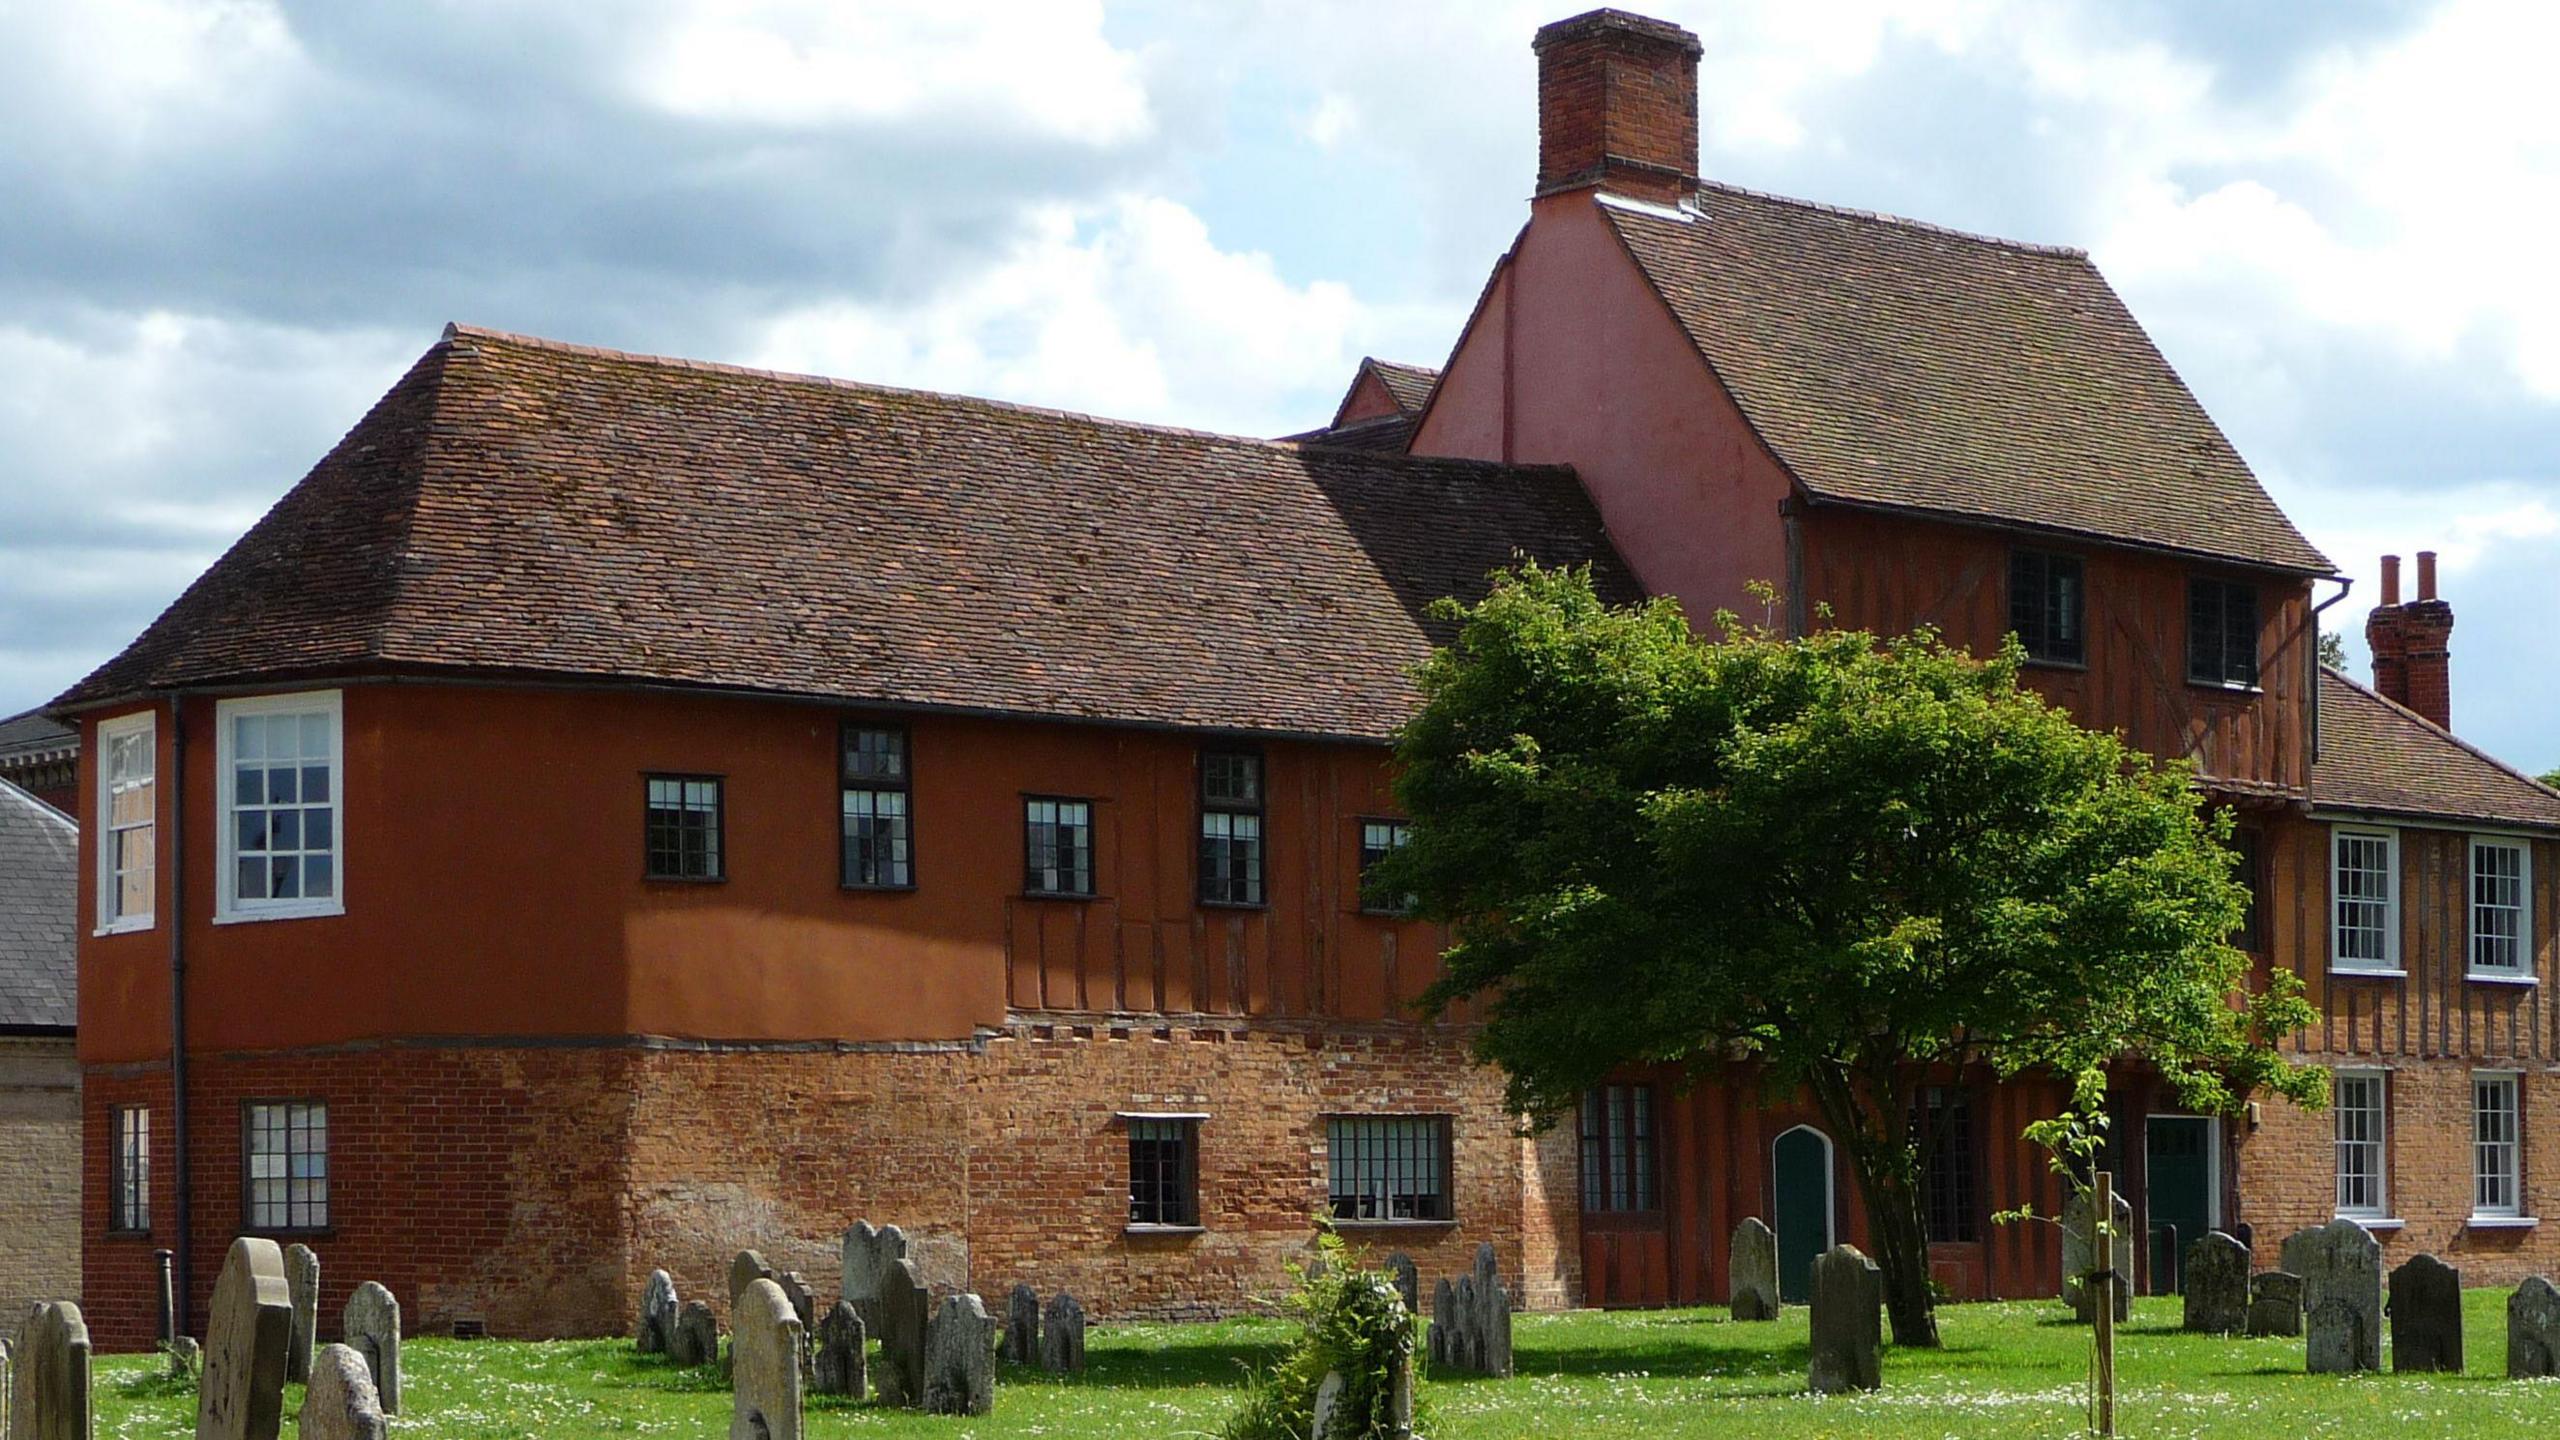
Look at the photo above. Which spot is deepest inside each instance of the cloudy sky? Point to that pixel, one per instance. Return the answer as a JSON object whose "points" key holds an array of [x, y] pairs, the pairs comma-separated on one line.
{"points": [[226, 226]]}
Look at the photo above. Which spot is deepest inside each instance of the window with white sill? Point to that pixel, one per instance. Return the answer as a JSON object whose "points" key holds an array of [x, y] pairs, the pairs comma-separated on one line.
{"points": [[2496, 1141], [278, 761], [2356, 1109], [2501, 912], [2364, 899], [128, 821]]}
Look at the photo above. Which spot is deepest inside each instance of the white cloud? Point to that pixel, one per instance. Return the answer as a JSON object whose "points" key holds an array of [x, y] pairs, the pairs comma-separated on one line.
{"points": [[1332, 120]]}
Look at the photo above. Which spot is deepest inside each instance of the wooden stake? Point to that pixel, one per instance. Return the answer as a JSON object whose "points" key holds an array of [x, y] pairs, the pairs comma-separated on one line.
{"points": [[2102, 1245]]}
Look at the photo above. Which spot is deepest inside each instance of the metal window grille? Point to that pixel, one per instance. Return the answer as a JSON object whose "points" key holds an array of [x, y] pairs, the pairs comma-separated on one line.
{"points": [[1389, 1167], [1618, 1167], [878, 842], [283, 806], [684, 827], [129, 1206], [1944, 1121], [2497, 907], [1231, 827], [1164, 1184], [2357, 1101], [2362, 929], [2222, 632], [287, 1163], [2494, 1133], [1057, 847], [2045, 604], [1379, 838], [132, 814]]}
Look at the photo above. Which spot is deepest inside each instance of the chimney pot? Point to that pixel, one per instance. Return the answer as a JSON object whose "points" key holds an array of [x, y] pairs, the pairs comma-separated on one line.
{"points": [[2390, 579], [1618, 106], [2426, 574]]}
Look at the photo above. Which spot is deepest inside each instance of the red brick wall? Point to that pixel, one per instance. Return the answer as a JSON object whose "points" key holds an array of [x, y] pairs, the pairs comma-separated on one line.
{"points": [[1618, 106]]}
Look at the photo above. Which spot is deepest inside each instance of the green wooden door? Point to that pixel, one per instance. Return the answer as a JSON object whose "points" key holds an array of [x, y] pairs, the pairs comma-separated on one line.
{"points": [[1801, 1171], [2178, 1174]]}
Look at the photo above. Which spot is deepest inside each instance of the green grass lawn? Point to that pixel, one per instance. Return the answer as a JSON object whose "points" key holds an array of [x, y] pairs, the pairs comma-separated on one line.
{"points": [[2010, 1371]]}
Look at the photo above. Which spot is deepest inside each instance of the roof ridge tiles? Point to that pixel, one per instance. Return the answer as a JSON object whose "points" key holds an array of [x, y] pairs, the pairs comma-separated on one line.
{"points": [[2401, 711], [1883, 217]]}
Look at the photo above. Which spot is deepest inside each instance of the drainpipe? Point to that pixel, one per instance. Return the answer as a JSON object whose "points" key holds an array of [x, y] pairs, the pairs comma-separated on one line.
{"points": [[178, 1004], [2345, 583]]}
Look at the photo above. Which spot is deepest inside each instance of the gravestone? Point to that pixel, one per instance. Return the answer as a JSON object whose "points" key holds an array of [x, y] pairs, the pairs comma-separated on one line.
{"points": [[1444, 1326], [1021, 1342], [2533, 1330], [840, 1362], [2426, 1316], [696, 1341], [2275, 1303], [302, 1282], [2216, 1278], [247, 1331], [186, 1358], [744, 1271], [2078, 1260], [1848, 1322], [1751, 1277], [959, 1359], [795, 1288], [658, 1307], [342, 1403], [764, 1363], [2335, 1338], [48, 1385], [868, 1254], [1408, 1280], [1471, 1321], [371, 1326], [2340, 1261], [1062, 1336], [1327, 1407], [902, 1303]]}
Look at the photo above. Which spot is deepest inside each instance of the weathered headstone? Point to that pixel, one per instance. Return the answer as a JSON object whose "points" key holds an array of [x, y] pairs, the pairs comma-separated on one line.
{"points": [[302, 1281], [795, 1288], [867, 1256], [371, 1326], [342, 1403], [764, 1364], [2216, 1279], [840, 1363], [696, 1340], [1021, 1342], [186, 1358], [2340, 1261], [658, 1307], [1062, 1335], [2533, 1330], [902, 1303], [48, 1386], [1848, 1322], [1751, 1276], [2275, 1303], [1492, 1315], [1323, 1415], [2334, 1337], [746, 1270], [2426, 1316], [1408, 1278], [959, 1360], [2079, 1261], [251, 1323], [1445, 1338]]}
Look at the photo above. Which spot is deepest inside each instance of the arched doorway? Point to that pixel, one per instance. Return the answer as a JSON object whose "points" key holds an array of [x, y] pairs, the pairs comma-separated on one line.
{"points": [[1801, 1207]]}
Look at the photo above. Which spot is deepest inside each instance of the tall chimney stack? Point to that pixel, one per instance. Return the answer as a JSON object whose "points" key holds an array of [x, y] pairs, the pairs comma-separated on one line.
{"points": [[1618, 106], [2412, 642]]}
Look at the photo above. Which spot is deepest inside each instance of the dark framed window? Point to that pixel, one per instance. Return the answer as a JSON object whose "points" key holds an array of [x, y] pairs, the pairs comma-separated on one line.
{"points": [[1388, 1167], [2046, 604], [1164, 1170], [684, 828], [1377, 839], [129, 1167], [879, 839], [1231, 827], [1057, 846], [2222, 632], [1618, 1167], [284, 1163], [1943, 1120], [2245, 868]]}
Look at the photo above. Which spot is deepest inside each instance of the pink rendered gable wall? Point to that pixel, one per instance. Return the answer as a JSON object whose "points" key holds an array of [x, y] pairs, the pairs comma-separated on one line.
{"points": [[1369, 400], [1603, 379]]}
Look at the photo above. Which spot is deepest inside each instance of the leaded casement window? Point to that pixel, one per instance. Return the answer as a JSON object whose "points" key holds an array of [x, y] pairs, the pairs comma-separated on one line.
{"points": [[1619, 1175], [1057, 846], [1378, 839], [278, 767], [2222, 633], [2045, 605], [128, 821], [2496, 1136], [285, 1165], [1942, 1120], [129, 1170], [1388, 1167], [2364, 895], [2357, 1111], [1230, 827], [2501, 907], [683, 831], [879, 838], [1164, 1170]]}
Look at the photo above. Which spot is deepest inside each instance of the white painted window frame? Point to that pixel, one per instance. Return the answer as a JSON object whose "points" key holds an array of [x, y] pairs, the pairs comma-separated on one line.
{"points": [[146, 724], [2514, 1144], [2390, 838], [2381, 1206], [229, 908], [2523, 848]]}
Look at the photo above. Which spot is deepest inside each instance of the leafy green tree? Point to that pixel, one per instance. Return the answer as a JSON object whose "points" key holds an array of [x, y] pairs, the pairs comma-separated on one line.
{"points": [[2333, 650], [1846, 862]]}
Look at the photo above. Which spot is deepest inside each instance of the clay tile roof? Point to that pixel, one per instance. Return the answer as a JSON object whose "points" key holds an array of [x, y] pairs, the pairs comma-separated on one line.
{"points": [[2381, 757], [1389, 433], [1892, 363], [39, 853], [1409, 384], [523, 506]]}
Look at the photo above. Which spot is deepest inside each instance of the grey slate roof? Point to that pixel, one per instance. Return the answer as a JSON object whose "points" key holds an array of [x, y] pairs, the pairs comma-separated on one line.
{"points": [[35, 737], [39, 895]]}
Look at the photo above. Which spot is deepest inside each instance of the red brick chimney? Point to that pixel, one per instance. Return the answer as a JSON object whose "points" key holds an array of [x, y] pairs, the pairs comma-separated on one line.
{"points": [[2411, 643], [1618, 106]]}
